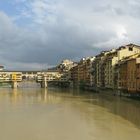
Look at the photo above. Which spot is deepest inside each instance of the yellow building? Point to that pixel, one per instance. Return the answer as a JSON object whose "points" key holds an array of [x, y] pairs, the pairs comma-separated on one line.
{"points": [[112, 59], [129, 74]]}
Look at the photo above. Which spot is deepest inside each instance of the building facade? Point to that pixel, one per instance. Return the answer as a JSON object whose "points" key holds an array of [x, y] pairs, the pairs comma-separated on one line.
{"points": [[98, 69], [129, 74], [112, 60], [84, 71], [138, 74], [74, 75]]}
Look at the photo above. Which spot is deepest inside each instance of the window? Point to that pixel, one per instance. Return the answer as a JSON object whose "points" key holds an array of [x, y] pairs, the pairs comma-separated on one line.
{"points": [[130, 49]]}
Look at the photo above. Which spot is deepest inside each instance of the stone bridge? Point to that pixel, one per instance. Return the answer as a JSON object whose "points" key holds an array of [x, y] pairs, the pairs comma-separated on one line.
{"points": [[42, 77]]}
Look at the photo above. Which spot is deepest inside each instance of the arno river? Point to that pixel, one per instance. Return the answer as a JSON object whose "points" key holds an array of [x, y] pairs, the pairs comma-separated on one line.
{"points": [[56, 114]]}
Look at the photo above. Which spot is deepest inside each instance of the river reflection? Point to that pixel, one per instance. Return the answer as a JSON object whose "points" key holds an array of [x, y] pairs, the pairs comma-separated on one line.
{"points": [[54, 114]]}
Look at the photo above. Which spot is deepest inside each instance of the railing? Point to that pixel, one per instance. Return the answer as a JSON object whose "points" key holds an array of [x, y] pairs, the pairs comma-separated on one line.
{"points": [[6, 77], [50, 78], [10, 77]]}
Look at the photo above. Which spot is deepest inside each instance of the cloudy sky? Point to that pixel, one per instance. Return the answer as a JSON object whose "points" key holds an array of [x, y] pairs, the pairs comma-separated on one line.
{"points": [[36, 34]]}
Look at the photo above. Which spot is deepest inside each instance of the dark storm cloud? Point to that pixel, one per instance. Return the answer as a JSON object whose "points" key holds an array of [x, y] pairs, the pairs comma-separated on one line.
{"points": [[65, 29]]}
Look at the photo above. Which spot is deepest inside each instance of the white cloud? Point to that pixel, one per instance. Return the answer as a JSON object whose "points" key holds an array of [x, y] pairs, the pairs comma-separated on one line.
{"points": [[121, 32], [55, 29]]}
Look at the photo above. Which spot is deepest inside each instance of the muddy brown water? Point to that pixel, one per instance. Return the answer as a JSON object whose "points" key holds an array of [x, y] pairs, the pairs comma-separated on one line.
{"points": [[66, 114]]}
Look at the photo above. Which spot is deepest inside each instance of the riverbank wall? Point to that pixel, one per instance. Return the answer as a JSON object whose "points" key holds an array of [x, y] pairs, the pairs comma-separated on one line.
{"points": [[115, 92]]}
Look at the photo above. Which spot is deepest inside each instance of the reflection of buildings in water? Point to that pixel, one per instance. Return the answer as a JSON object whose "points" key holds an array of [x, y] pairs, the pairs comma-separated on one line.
{"points": [[128, 109], [14, 95], [121, 108], [42, 95], [45, 96], [95, 107], [29, 84]]}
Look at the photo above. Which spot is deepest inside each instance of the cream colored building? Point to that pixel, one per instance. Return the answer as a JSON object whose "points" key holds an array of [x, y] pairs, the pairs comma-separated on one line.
{"points": [[66, 65], [112, 59]]}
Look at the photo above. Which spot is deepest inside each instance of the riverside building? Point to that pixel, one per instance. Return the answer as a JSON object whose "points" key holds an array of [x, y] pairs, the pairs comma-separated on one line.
{"points": [[98, 73], [74, 75], [112, 60], [84, 71], [129, 74]]}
